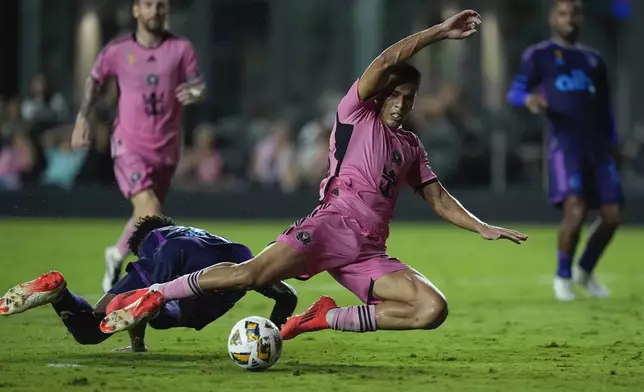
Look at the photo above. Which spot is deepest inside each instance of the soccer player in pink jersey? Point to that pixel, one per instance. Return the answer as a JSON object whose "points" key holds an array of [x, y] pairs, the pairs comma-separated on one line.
{"points": [[157, 74], [371, 158]]}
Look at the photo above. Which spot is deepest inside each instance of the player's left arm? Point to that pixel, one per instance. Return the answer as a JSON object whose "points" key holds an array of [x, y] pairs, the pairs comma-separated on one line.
{"points": [[422, 178], [193, 88], [285, 298]]}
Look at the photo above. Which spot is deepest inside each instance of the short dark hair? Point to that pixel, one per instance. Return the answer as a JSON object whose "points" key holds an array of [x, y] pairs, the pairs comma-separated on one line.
{"points": [[405, 73], [145, 226], [576, 3]]}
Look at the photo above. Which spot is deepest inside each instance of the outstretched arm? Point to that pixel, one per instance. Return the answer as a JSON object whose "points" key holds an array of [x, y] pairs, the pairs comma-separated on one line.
{"points": [[375, 77], [285, 301], [448, 208]]}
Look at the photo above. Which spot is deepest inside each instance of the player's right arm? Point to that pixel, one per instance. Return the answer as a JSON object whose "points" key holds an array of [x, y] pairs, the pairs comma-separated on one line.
{"points": [[522, 91], [375, 77], [101, 71]]}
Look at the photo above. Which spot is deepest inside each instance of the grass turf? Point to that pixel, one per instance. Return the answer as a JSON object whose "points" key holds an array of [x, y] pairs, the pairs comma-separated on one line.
{"points": [[504, 332]]}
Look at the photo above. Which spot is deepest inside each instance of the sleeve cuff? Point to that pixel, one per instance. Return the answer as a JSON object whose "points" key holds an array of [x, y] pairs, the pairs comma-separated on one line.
{"points": [[420, 187]]}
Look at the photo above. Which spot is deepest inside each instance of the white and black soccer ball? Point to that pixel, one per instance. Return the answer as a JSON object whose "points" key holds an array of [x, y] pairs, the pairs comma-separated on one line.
{"points": [[255, 343]]}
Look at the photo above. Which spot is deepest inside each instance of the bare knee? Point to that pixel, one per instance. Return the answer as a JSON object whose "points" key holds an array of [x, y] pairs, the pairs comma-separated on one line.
{"points": [[431, 311], [574, 213], [611, 216]]}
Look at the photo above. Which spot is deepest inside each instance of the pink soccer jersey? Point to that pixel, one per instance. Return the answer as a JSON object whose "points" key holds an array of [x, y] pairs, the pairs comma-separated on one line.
{"points": [[369, 162], [149, 114]]}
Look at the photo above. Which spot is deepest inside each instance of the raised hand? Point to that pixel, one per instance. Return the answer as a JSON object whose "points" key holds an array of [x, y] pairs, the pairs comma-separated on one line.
{"points": [[491, 233], [461, 25]]}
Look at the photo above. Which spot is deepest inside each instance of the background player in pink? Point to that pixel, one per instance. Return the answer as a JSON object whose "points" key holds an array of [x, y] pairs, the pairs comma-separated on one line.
{"points": [[371, 158], [156, 73]]}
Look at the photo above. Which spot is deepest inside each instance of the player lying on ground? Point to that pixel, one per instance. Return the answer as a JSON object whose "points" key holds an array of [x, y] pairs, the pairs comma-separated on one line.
{"points": [[371, 158], [157, 74], [165, 252], [582, 142]]}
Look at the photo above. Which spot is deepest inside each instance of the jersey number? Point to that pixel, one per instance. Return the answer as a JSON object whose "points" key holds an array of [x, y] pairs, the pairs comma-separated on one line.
{"points": [[387, 183]]}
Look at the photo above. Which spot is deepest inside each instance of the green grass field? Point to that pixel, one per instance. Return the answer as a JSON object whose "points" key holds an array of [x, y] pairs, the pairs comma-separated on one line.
{"points": [[504, 333]]}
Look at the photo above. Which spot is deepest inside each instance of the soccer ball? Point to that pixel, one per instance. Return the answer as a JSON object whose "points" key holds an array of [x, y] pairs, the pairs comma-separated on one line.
{"points": [[255, 343]]}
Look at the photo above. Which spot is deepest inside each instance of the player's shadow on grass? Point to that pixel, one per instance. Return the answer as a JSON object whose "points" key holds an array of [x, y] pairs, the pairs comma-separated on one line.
{"points": [[147, 359], [298, 368]]}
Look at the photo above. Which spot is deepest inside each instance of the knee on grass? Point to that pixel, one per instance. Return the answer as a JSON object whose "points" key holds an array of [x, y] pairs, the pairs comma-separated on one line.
{"points": [[430, 311], [90, 339]]}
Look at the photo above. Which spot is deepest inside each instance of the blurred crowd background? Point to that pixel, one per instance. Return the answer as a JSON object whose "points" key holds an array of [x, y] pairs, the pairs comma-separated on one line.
{"points": [[276, 70]]}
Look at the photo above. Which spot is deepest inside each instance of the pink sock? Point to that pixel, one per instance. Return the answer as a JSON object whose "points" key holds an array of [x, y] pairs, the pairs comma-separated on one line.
{"points": [[353, 318], [186, 286], [122, 245]]}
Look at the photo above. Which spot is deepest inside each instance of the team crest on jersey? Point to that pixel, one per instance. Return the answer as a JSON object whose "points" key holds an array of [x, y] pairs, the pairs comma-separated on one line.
{"points": [[136, 176], [152, 79], [559, 59], [396, 158], [304, 237], [130, 58]]}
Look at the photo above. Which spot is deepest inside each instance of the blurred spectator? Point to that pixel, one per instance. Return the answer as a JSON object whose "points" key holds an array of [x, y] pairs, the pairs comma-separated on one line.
{"points": [[632, 152], [313, 152], [63, 163], [43, 104], [438, 134], [202, 164], [313, 140], [259, 123], [17, 158], [274, 160], [12, 121]]}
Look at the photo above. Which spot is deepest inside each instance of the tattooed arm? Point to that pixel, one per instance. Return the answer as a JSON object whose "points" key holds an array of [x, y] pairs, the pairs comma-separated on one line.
{"points": [[104, 68], [81, 134]]}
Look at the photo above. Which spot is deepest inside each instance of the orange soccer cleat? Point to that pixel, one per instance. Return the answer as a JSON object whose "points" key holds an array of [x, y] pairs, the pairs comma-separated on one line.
{"points": [[127, 310], [40, 291], [314, 319]]}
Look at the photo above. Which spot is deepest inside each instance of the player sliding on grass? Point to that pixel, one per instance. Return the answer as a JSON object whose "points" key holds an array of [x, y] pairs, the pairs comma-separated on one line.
{"points": [[371, 158], [165, 251]]}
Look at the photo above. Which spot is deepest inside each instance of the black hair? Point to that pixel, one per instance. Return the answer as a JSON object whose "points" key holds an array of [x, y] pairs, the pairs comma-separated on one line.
{"points": [[405, 73], [144, 227], [576, 3]]}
